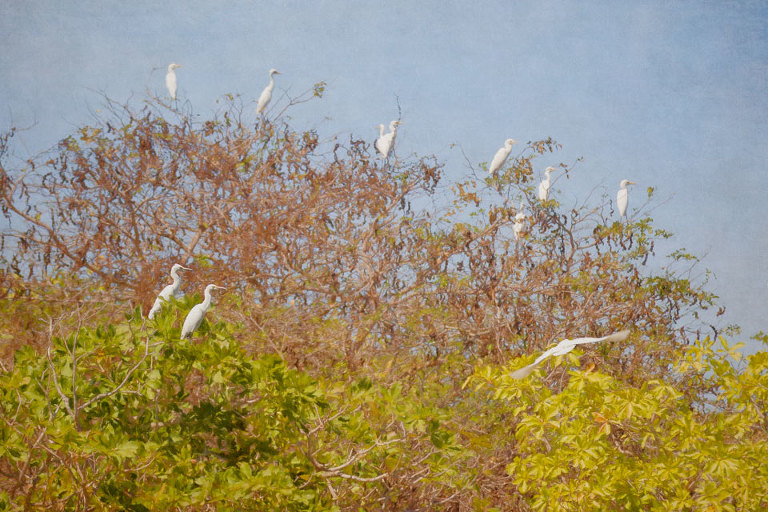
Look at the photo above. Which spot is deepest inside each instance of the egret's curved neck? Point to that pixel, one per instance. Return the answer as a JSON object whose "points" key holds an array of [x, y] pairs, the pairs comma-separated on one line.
{"points": [[271, 82], [176, 278], [207, 300]]}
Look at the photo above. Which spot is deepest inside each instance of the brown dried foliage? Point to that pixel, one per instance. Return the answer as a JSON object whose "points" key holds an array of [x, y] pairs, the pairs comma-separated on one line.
{"points": [[321, 248]]}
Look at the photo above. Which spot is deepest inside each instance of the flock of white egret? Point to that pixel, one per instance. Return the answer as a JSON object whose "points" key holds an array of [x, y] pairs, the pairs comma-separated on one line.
{"points": [[195, 316], [384, 144], [622, 199], [386, 141]]}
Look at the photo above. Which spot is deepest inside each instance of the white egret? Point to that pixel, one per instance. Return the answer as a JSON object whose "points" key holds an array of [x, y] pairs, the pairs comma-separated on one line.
{"points": [[386, 141], [170, 80], [382, 132], [519, 224], [197, 313], [564, 347], [266, 94], [170, 290], [501, 156], [622, 197], [545, 184]]}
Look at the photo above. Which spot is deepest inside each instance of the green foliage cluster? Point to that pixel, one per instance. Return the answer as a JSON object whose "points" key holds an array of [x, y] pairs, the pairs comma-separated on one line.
{"points": [[599, 444], [128, 416]]}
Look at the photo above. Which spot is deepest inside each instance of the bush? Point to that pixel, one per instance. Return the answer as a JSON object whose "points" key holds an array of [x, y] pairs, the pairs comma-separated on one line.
{"points": [[128, 416], [599, 444]]}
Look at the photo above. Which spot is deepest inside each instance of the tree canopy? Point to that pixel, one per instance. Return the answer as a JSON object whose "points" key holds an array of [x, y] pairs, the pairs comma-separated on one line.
{"points": [[360, 356]]}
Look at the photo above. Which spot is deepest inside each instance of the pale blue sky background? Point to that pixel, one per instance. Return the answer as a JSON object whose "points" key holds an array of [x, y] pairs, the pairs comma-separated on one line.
{"points": [[670, 94]]}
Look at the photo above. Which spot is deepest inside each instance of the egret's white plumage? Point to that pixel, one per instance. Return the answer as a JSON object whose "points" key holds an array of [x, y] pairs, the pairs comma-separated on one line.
{"points": [[167, 292], [266, 94], [197, 313], [170, 80], [622, 197], [501, 156], [545, 184], [382, 132], [564, 347], [386, 141], [519, 224]]}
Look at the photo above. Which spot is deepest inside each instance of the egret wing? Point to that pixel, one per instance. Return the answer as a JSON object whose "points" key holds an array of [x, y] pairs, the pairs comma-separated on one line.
{"points": [[622, 200], [563, 348], [617, 336], [498, 160], [543, 190], [385, 144], [163, 296], [523, 372], [193, 321], [170, 83]]}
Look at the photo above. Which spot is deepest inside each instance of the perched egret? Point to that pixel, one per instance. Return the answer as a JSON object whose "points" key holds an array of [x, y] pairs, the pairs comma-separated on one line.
{"points": [[266, 94], [501, 156], [519, 224], [622, 198], [545, 184], [386, 141], [197, 313], [564, 347], [168, 291], [170, 80], [382, 132]]}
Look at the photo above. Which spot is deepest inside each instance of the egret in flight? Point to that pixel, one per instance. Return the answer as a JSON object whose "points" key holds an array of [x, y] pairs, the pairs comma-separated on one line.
{"points": [[501, 156], [386, 141], [564, 347], [545, 184], [168, 291], [622, 197], [519, 224], [197, 313], [266, 94], [170, 80]]}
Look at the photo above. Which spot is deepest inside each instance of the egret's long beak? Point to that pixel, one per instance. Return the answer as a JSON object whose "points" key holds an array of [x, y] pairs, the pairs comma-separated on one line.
{"points": [[185, 268], [632, 183]]}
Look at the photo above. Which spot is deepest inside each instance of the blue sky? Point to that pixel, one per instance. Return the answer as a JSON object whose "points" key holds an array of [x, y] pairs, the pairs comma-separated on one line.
{"points": [[670, 94]]}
